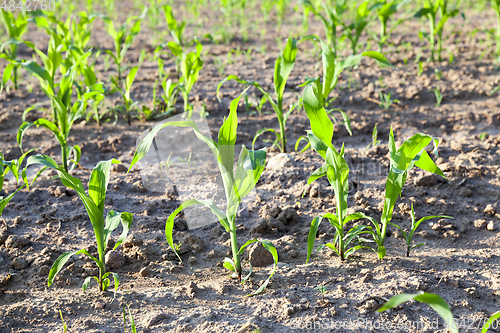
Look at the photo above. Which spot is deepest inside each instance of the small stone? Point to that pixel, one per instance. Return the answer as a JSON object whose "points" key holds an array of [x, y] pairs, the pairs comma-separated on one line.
{"points": [[192, 260], [99, 305], [115, 259], [19, 263], [190, 242], [426, 180], [259, 256], [154, 318], [191, 289], [145, 271], [175, 269], [280, 161], [314, 191], [292, 299], [489, 209], [491, 226], [14, 241], [90, 324], [260, 227], [288, 216], [276, 224], [480, 224], [43, 271], [466, 192]]}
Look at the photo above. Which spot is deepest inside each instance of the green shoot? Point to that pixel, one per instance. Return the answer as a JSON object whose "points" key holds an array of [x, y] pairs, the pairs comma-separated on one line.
{"points": [[386, 101], [439, 73], [414, 225], [123, 38], [337, 171], [237, 184], [374, 142], [188, 161], [354, 30], [15, 28], [125, 92], [495, 5], [94, 204], [322, 289], [282, 69], [65, 328], [420, 68], [175, 28], [483, 136], [411, 153], [489, 323], [331, 19], [439, 96], [170, 93], [131, 318], [434, 301], [431, 10], [190, 64], [385, 9]]}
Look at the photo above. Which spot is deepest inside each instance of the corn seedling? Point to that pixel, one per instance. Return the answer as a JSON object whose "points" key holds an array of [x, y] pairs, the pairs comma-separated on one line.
{"points": [[432, 10], [123, 38], [125, 92], [337, 171], [483, 136], [14, 167], [64, 112], [411, 153], [354, 30], [65, 328], [386, 101], [322, 289], [170, 93], [374, 142], [237, 184], [15, 28], [175, 28], [331, 18], [131, 319], [94, 204], [282, 69], [385, 9], [439, 74], [190, 64], [434, 301], [414, 225], [439, 96]]}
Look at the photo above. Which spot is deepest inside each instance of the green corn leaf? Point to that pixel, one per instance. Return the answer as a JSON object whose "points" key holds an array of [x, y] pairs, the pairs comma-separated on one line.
{"points": [[132, 323], [353, 249], [98, 183], [39, 122], [437, 303], [59, 264], [493, 317], [312, 235], [318, 173], [86, 283], [249, 168], [283, 67], [262, 131], [170, 221], [227, 138], [321, 125], [229, 264], [6, 200]]}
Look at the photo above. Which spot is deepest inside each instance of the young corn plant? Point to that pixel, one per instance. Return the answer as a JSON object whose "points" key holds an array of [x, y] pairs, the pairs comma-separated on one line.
{"points": [[354, 30], [386, 101], [411, 153], [282, 69], [13, 166], [190, 64], [237, 183], [375, 142], [385, 9], [489, 323], [337, 171], [414, 225], [131, 318], [432, 10], [175, 28], [15, 28], [64, 112], [437, 303], [439, 96], [123, 38], [94, 204], [170, 94], [125, 92]]}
